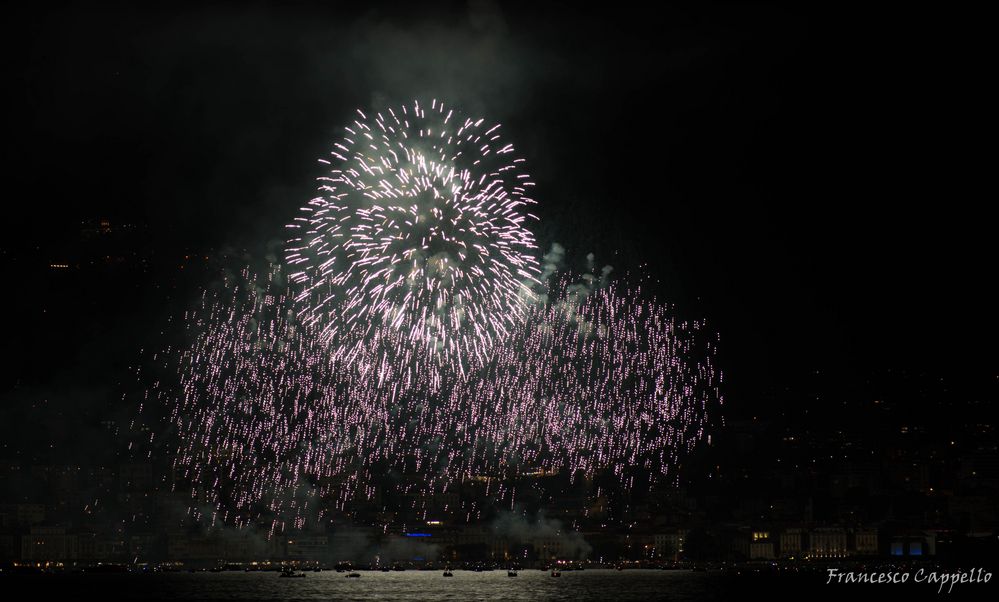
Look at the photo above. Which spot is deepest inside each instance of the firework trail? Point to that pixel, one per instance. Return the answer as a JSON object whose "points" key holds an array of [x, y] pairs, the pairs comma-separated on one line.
{"points": [[409, 335], [420, 226]]}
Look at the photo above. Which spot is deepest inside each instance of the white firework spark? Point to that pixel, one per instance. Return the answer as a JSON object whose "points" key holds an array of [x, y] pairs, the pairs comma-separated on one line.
{"points": [[421, 227]]}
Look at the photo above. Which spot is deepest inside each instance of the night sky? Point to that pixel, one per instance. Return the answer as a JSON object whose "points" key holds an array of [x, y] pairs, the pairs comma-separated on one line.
{"points": [[802, 180]]}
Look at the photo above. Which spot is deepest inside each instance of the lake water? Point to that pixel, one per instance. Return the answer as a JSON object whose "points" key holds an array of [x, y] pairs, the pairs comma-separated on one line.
{"points": [[373, 585], [593, 584]]}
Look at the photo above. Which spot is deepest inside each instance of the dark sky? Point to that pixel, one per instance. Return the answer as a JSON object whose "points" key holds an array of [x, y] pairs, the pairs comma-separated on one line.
{"points": [[802, 177]]}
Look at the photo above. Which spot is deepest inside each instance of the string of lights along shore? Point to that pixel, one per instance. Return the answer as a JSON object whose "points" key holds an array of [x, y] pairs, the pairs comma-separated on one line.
{"points": [[414, 327]]}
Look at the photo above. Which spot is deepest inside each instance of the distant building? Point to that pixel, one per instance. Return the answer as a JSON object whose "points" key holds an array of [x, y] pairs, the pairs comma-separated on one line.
{"points": [[913, 543], [865, 542], [669, 545], [308, 547], [110, 547], [24, 514], [761, 546], [197, 547], [48, 544], [10, 547], [135, 478], [827, 543], [755, 544], [792, 543]]}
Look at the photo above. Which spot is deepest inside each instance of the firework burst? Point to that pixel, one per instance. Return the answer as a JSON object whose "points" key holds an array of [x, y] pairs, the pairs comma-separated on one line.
{"points": [[408, 337], [420, 228]]}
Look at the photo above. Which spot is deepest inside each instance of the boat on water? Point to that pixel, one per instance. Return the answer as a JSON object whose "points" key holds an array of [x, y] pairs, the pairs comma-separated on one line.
{"points": [[511, 573], [290, 572], [556, 573], [448, 573], [353, 575]]}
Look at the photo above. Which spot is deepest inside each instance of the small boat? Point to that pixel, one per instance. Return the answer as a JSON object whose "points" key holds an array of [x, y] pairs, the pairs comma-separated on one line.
{"points": [[289, 572], [448, 573], [353, 575], [385, 569], [556, 573], [511, 573]]}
